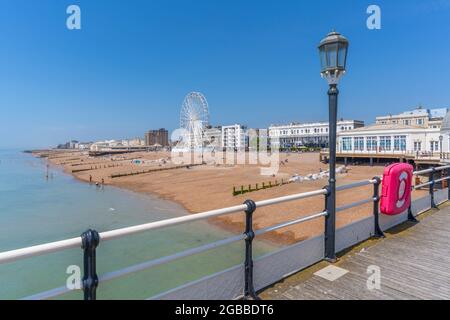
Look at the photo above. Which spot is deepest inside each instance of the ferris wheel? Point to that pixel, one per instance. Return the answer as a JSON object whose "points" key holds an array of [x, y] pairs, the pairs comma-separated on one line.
{"points": [[194, 118]]}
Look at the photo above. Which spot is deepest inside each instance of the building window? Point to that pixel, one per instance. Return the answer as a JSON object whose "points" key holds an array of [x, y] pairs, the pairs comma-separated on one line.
{"points": [[434, 146], [359, 144], [400, 143], [347, 144], [417, 146], [385, 143], [371, 143], [419, 122]]}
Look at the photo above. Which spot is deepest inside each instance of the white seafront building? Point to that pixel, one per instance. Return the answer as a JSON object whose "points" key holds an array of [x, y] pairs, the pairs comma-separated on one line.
{"points": [[421, 132], [109, 145], [234, 137], [230, 137], [307, 134]]}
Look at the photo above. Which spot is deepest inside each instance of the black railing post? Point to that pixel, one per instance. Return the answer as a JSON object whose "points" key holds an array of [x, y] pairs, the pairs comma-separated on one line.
{"points": [[411, 216], [448, 184], [330, 228], [249, 289], [431, 187], [378, 233], [90, 240]]}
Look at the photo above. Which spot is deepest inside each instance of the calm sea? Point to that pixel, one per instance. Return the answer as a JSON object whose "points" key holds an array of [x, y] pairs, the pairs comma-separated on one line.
{"points": [[35, 209]]}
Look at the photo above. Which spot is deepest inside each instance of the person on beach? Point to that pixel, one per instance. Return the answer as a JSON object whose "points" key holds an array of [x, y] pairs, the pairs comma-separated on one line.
{"points": [[90, 178]]}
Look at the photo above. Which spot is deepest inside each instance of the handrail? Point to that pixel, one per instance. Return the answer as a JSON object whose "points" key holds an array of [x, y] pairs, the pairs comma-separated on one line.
{"points": [[290, 223], [305, 195], [426, 184], [17, 254], [355, 185], [186, 253], [355, 204], [13, 255], [113, 234], [89, 243], [431, 170]]}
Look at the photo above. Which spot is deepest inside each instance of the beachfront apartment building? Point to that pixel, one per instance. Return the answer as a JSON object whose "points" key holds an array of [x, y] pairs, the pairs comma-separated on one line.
{"points": [[135, 142], [108, 145], [417, 132], [157, 137], [234, 137], [84, 145], [74, 144], [421, 117], [390, 139], [212, 137], [315, 134]]}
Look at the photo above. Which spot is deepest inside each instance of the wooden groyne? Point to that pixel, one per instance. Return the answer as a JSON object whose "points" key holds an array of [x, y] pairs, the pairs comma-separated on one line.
{"points": [[133, 173], [243, 189], [97, 167]]}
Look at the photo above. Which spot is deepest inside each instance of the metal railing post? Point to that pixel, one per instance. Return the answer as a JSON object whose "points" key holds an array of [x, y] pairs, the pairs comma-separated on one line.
{"points": [[378, 233], [431, 187], [90, 240], [249, 290], [330, 228], [448, 183], [411, 216]]}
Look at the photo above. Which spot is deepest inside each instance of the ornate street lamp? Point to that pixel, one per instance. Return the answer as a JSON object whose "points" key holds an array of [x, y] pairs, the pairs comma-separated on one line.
{"points": [[333, 58]]}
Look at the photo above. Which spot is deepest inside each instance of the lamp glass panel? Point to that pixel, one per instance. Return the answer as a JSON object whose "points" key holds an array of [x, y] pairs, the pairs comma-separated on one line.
{"points": [[342, 55], [323, 58], [331, 56]]}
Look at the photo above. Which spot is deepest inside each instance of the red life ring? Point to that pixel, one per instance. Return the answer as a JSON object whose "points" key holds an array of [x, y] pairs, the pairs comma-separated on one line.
{"points": [[396, 189]]}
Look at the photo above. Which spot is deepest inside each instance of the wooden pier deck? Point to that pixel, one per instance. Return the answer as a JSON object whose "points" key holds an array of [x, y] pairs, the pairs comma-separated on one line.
{"points": [[413, 260]]}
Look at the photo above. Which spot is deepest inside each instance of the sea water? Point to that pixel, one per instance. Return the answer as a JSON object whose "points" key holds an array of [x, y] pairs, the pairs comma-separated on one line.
{"points": [[40, 204]]}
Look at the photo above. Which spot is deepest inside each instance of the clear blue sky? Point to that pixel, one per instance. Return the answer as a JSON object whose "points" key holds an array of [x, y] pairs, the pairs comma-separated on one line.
{"points": [[133, 62]]}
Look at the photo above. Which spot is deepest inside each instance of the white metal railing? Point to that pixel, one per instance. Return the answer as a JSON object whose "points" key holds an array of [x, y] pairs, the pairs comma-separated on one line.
{"points": [[248, 207]]}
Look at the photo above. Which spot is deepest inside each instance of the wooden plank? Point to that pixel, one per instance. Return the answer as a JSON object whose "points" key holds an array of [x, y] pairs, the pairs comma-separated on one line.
{"points": [[414, 265]]}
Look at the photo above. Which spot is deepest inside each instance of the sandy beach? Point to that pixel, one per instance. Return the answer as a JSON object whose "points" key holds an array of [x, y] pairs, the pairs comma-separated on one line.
{"points": [[208, 187]]}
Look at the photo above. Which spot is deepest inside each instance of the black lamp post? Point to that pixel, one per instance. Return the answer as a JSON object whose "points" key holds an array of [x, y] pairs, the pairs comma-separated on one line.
{"points": [[333, 58], [441, 138]]}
